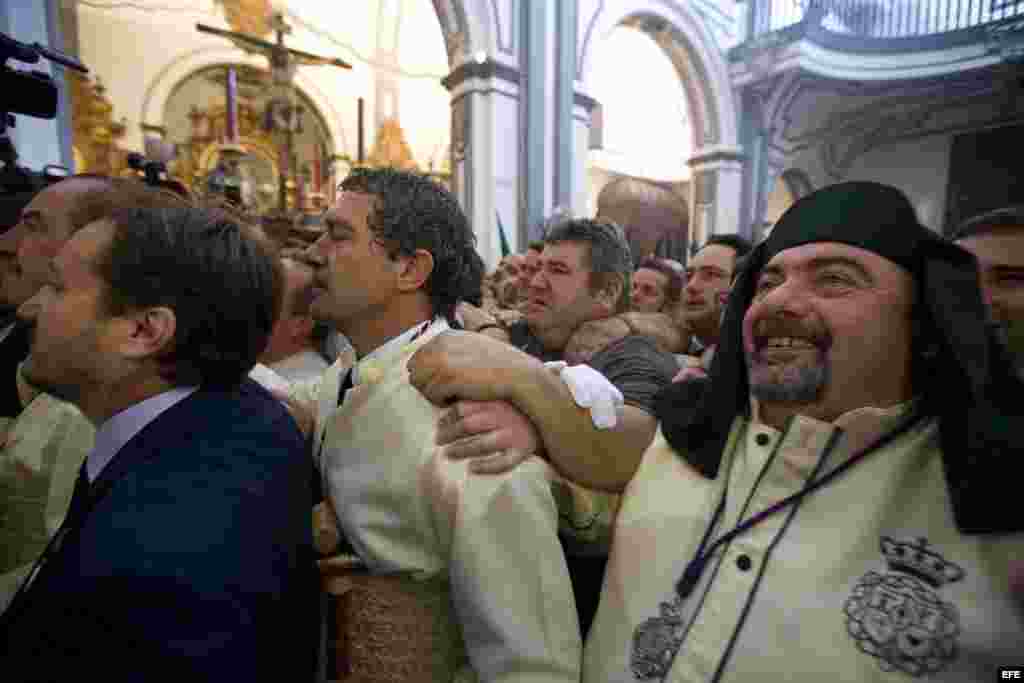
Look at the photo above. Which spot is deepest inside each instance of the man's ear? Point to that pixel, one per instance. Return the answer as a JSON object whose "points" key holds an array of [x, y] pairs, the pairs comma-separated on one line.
{"points": [[150, 332], [415, 270]]}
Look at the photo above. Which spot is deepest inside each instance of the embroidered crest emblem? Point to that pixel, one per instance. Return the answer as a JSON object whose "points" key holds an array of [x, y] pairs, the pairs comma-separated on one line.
{"points": [[898, 617], [656, 641]]}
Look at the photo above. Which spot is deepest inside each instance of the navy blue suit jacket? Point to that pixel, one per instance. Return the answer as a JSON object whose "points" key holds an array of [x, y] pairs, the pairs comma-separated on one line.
{"points": [[196, 565]]}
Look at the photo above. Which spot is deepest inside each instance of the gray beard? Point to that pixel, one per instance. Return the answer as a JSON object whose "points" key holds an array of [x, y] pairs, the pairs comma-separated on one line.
{"points": [[804, 386]]}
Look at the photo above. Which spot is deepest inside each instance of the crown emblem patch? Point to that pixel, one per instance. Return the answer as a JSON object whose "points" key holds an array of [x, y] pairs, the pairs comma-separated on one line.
{"points": [[898, 616]]}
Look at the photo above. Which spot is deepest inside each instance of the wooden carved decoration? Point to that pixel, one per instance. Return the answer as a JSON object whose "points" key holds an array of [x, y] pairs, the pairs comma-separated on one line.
{"points": [[95, 133], [251, 17], [391, 149]]}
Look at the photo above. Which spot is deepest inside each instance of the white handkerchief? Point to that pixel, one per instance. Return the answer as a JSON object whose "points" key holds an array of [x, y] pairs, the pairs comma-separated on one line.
{"points": [[590, 389], [269, 379]]}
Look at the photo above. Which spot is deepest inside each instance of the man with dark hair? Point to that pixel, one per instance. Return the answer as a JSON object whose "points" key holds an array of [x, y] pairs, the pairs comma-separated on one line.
{"points": [[531, 264], [656, 286], [46, 439], [709, 275], [45, 223], [185, 547], [293, 348], [997, 240], [391, 270], [584, 275]]}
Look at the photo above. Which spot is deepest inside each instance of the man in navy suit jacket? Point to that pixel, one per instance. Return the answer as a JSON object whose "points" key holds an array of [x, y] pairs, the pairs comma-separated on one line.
{"points": [[186, 552]]}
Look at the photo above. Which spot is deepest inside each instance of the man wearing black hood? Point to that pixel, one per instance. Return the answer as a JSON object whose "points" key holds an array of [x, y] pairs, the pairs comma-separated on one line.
{"points": [[834, 502]]}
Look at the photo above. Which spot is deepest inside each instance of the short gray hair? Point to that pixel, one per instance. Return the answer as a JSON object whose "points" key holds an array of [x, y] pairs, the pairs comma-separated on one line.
{"points": [[607, 251]]}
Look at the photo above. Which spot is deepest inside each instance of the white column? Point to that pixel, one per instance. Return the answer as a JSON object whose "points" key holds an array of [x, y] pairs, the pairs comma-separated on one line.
{"points": [[716, 190], [485, 149], [583, 108]]}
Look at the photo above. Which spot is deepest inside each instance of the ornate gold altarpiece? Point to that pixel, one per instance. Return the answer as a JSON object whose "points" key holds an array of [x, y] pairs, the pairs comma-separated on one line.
{"points": [[95, 133]]}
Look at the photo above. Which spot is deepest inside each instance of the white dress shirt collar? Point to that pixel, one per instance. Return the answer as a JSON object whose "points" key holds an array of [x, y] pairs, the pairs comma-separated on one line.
{"points": [[119, 429]]}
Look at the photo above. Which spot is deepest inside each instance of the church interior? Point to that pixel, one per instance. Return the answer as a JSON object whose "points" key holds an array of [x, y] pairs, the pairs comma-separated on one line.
{"points": [[677, 120]]}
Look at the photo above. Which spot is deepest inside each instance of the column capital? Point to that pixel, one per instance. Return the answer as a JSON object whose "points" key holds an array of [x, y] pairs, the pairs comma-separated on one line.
{"points": [[718, 155], [486, 69], [585, 101]]}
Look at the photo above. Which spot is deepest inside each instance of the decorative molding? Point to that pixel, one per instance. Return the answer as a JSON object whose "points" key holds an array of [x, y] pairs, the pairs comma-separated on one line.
{"points": [[509, 47], [585, 101], [251, 17], [582, 48], [484, 70], [150, 128], [687, 40], [179, 69], [865, 117], [715, 156]]}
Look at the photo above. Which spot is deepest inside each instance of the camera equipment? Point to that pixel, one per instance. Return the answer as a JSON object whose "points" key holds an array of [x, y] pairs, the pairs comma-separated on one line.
{"points": [[32, 93], [154, 171]]}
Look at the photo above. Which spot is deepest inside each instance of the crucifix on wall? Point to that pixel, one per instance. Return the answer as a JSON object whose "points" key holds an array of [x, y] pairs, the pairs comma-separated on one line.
{"points": [[283, 115]]}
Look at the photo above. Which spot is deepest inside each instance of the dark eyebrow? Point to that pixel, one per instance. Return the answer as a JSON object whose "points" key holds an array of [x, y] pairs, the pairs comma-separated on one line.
{"points": [[827, 261], [824, 262]]}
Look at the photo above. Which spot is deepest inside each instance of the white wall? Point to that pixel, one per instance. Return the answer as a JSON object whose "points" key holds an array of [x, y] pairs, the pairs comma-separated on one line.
{"points": [[919, 167]]}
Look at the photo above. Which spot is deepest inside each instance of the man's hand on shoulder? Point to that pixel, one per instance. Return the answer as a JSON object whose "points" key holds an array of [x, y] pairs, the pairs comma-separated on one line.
{"points": [[460, 365]]}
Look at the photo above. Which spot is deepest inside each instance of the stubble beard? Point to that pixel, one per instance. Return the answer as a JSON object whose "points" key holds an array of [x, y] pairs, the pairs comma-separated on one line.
{"points": [[793, 382], [58, 390]]}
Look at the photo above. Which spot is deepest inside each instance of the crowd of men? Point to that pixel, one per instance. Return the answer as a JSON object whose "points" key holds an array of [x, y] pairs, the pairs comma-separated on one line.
{"points": [[782, 461]]}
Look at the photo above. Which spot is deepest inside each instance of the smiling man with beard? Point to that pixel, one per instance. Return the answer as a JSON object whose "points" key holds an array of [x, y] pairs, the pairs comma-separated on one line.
{"points": [[834, 493], [835, 501]]}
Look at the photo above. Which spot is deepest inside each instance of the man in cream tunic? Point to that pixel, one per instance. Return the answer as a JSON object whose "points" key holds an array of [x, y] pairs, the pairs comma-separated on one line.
{"points": [[40, 453], [830, 526], [390, 269], [835, 502]]}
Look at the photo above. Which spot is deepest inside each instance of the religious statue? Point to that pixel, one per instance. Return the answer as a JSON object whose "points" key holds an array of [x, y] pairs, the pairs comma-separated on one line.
{"points": [[282, 116]]}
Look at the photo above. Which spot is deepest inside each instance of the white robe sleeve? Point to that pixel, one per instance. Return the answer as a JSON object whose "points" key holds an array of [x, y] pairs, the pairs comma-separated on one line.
{"points": [[509, 581]]}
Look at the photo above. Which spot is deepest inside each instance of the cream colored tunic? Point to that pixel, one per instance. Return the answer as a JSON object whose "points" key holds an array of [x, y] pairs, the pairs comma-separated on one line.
{"points": [[866, 580], [405, 507], [41, 452]]}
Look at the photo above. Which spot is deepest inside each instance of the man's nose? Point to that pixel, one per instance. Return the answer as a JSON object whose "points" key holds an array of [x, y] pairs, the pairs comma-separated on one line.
{"points": [[538, 280], [789, 296]]}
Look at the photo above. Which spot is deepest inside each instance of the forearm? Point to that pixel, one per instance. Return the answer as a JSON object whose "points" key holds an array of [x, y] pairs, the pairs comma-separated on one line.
{"points": [[603, 459], [505, 532]]}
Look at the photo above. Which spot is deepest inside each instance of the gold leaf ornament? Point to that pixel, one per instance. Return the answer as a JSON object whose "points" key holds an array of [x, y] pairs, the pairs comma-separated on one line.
{"points": [[248, 16]]}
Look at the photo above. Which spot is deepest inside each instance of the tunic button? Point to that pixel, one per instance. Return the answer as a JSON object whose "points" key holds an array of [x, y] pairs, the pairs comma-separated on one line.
{"points": [[762, 439], [744, 563]]}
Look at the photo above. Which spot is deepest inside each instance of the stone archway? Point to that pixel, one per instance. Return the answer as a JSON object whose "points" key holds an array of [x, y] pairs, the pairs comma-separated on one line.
{"points": [[159, 91], [701, 65]]}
